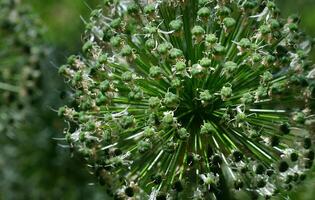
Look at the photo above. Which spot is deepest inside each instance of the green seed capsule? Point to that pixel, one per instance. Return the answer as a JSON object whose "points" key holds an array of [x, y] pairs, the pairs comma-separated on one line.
{"points": [[176, 25], [197, 31], [183, 134], [154, 102], [116, 41], [204, 12], [164, 47], [224, 11], [264, 29], [226, 92], [126, 76], [211, 38], [245, 43], [170, 99], [149, 9], [180, 66], [126, 121], [229, 22], [205, 96], [207, 128], [175, 53], [230, 66], [144, 146], [133, 8], [116, 23], [205, 62], [150, 43], [155, 72], [197, 70], [218, 49], [126, 51]]}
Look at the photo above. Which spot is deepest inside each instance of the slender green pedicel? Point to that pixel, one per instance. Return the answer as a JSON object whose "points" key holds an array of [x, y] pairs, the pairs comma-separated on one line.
{"points": [[192, 99], [20, 55]]}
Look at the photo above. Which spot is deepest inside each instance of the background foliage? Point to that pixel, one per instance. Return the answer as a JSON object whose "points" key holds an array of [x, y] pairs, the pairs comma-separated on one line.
{"points": [[37, 167]]}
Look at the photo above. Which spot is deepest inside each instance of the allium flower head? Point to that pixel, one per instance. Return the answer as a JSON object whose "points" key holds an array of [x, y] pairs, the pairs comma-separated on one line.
{"points": [[192, 99], [20, 52]]}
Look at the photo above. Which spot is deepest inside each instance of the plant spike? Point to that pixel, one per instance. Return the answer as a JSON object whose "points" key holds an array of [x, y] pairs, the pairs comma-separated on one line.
{"points": [[190, 99]]}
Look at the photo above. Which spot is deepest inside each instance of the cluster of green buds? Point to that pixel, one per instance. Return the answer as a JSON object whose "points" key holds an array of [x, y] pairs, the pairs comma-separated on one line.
{"points": [[192, 99], [20, 55]]}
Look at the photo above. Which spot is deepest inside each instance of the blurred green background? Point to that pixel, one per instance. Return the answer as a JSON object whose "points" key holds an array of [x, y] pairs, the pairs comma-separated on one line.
{"points": [[39, 168]]}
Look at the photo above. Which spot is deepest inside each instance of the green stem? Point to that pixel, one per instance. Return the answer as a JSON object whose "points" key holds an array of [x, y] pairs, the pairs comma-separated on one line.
{"points": [[8, 87]]}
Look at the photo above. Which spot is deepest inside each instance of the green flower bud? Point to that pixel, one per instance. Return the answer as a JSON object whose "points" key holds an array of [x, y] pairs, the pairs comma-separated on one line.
{"points": [[264, 29], [154, 102], [230, 66], [183, 134], [205, 96], [149, 9], [207, 128], [224, 11], [197, 70], [116, 41], [155, 72], [144, 146], [164, 47], [126, 76], [226, 92], [116, 23], [170, 99], [126, 121], [218, 49], [126, 51], [247, 98], [205, 62], [103, 59], [180, 66], [168, 118], [245, 43], [133, 8]]}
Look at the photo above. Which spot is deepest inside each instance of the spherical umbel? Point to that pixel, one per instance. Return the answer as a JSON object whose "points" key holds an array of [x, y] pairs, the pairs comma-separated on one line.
{"points": [[201, 98]]}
